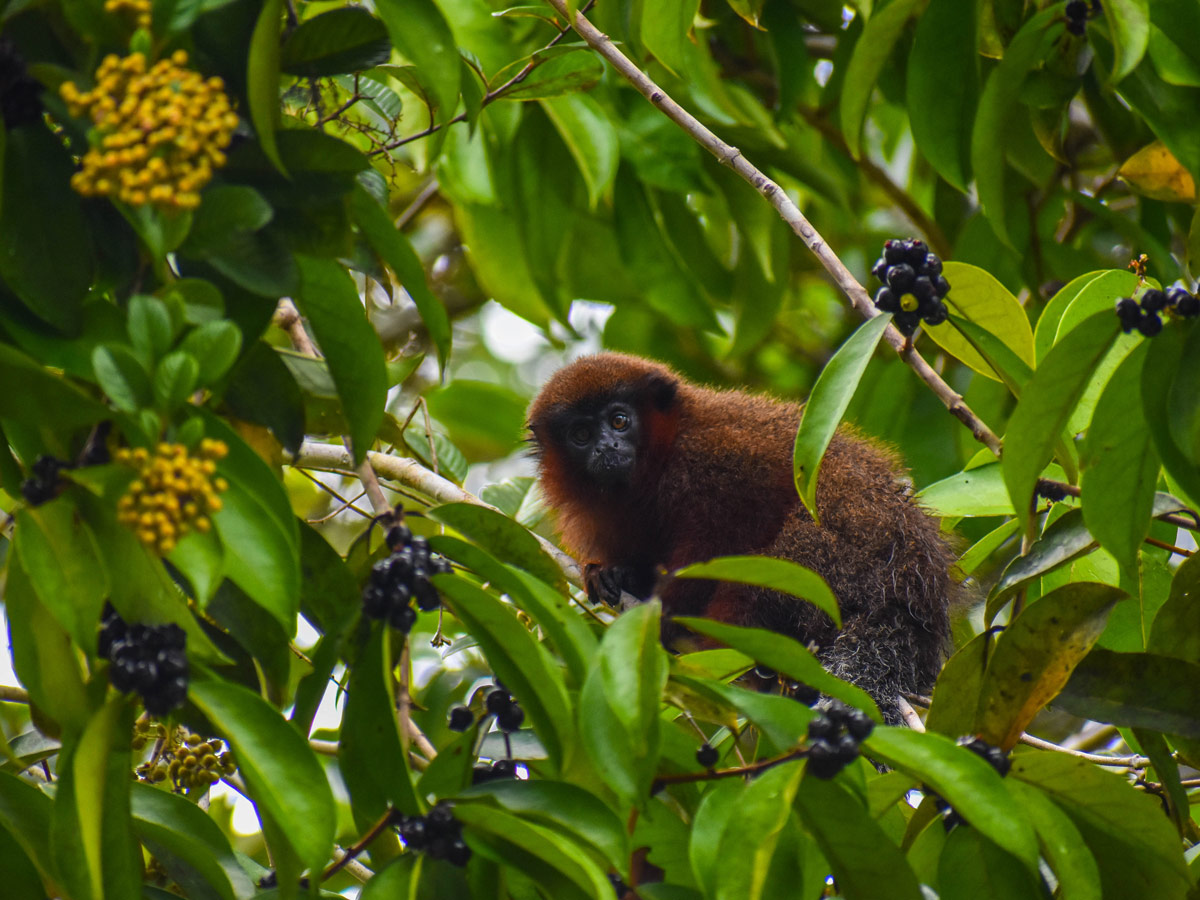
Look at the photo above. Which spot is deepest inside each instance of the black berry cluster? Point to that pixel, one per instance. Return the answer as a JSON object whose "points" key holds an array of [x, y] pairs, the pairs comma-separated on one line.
{"points": [[1144, 315], [913, 285], [148, 659], [1077, 13], [438, 835], [834, 738], [500, 770], [43, 482], [504, 706], [400, 578]]}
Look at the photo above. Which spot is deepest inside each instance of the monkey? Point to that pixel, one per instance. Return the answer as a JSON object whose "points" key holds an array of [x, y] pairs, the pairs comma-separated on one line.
{"points": [[648, 473]]}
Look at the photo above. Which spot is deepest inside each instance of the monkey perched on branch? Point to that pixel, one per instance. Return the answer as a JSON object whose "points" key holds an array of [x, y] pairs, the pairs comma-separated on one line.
{"points": [[648, 472]]}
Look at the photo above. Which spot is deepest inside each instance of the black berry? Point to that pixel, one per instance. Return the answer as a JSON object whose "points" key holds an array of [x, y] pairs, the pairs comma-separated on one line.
{"points": [[822, 728], [43, 484], [994, 756], [1150, 324], [404, 576], [1129, 312], [846, 749], [900, 277], [707, 755], [461, 719], [504, 768], [148, 659], [937, 314], [1154, 300], [859, 724], [886, 300], [1076, 12], [511, 719], [498, 701], [823, 760]]}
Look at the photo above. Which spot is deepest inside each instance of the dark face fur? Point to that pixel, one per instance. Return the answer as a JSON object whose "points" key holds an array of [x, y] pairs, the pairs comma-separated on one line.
{"points": [[601, 442]]}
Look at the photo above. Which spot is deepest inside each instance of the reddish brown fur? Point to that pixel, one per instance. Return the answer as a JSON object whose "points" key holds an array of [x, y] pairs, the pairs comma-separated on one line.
{"points": [[716, 479]]}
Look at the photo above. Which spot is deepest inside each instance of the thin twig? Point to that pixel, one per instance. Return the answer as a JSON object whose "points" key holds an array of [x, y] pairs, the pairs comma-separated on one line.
{"points": [[346, 504], [1120, 762], [10, 693], [717, 774], [410, 473], [424, 196], [911, 719], [489, 97], [383, 824], [790, 213], [1155, 542]]}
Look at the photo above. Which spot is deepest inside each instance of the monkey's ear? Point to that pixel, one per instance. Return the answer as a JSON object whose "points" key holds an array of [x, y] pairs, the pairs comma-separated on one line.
{"points": [[662, 391]]}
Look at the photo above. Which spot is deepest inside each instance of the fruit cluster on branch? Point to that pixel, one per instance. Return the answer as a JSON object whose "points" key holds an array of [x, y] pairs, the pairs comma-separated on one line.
{"points": [[1143, 313], [175, 492], [834, 738], [148, 659], [437, 835], [913, 285], [402, 577], [160, 131]]}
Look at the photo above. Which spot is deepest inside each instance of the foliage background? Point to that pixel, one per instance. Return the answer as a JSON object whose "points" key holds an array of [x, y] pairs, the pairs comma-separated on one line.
{"points": [[455, 163]]}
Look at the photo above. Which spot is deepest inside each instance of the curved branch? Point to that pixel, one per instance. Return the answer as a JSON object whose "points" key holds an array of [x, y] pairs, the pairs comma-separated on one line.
{"points": [[788, 211], [411, 474]]}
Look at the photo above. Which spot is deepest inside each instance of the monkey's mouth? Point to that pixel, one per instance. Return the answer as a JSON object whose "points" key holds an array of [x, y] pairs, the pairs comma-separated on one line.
{"points": [[610, 468]]}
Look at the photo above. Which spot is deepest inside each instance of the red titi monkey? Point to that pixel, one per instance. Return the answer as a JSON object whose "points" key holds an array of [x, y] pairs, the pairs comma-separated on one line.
{"points": [[649, 472]]}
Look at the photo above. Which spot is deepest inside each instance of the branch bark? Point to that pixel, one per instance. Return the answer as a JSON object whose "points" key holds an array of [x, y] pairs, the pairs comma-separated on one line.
{"points": [[788, 211], [413, 475]]}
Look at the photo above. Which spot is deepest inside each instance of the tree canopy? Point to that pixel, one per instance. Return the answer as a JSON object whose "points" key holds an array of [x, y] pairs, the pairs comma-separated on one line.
{"points": [[270, 535]]}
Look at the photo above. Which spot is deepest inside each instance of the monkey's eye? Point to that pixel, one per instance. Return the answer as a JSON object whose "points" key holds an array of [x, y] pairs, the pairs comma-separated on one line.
{"points": [[619, 421], [580, 434]]}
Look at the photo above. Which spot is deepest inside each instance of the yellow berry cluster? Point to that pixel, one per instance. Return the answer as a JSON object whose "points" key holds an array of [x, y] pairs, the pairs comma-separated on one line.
{"points": [[159, 133], [174, 493], [190, 761], [139, 10]]}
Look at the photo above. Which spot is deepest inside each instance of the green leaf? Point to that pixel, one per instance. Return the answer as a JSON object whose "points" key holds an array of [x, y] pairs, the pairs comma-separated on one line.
{"points": [[1120, 465], [550, 859], [564, 625], [1130, 24], [979, 297], [25, 812], [398, 880], [215, 346], [59, 553], [784, 655], [971, 786], [563, 807], [565, 69], [349, 39], [1035, 655], [190, 845], [517, 658], [486, 420], [1101, 288], [943, 87], [865, 862], [396, 251], [228, 215], [871, 53], [1062, 844], [122, 377], [1062, 542], [174, 380], [1176, 629], [748, 847], [827, 403], [1133, 843], [500, 536], [1001, 94], [94, 852], [774, 574], [262, 390], [1046, 404], [1158, 380], [46, 255], [976, 492], [330, 302], [956, 695], [973, 868], [666, 27], [262, 79], [150, 327], [633, 669], [1139, 690], [370, 733], [38, 398], [283, 775], [419, 31], [591, 137], [44, 658]]}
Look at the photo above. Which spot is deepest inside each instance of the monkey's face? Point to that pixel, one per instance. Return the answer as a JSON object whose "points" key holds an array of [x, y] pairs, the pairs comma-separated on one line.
{"points": [[602, 444]]}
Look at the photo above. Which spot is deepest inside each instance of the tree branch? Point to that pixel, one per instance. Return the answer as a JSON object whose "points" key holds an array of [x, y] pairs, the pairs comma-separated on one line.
{"points": [[411, 474], [788, 211]]}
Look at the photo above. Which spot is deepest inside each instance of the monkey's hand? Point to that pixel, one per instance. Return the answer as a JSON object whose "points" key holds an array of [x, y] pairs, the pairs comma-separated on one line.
{"points": [[607, 584]]}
